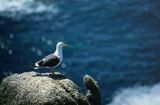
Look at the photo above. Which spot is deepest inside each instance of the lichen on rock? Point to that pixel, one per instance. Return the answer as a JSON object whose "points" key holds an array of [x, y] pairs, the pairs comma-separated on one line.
{"points": [[32, 88]]}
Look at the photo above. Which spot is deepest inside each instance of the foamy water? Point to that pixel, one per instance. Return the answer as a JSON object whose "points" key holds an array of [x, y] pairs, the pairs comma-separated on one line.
{"points": [[145, 95], [15, 8]]}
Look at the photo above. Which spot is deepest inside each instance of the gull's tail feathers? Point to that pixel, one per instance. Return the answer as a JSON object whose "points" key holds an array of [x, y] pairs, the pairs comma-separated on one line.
{"points": [[33, 67]]}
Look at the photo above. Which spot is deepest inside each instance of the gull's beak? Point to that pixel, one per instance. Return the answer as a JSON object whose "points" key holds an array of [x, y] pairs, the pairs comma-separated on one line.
{"points": [[65, 45]]}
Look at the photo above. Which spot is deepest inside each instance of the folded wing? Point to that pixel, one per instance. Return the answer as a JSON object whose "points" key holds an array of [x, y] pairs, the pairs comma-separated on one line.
{"points": [[49, 61]]}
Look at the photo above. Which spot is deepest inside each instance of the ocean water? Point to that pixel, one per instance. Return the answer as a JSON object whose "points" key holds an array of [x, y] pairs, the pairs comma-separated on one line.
{"points": [[116, 42]]}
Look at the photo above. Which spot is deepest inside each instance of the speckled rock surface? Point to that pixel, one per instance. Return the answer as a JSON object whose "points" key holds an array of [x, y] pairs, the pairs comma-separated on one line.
{"points": [[93, 92], [31, 88]]}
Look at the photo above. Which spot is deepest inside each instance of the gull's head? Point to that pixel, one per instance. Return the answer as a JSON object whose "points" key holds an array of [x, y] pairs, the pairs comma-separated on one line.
{"points": [[61, 44]]}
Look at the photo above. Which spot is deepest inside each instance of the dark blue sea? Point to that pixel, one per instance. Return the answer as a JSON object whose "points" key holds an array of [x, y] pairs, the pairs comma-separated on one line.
{"points": [[115, 41]]}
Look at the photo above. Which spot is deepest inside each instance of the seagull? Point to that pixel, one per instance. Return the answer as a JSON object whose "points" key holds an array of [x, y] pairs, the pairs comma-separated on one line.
{"points": [[52, 60]]}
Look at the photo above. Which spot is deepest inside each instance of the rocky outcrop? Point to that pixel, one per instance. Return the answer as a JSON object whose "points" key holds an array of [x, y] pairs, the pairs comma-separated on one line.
{"points": [[93, 92], [31, 88]]}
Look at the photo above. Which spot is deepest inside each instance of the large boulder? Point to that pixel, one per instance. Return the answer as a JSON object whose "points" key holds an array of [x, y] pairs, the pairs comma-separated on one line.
{"points": [[32, 88]]}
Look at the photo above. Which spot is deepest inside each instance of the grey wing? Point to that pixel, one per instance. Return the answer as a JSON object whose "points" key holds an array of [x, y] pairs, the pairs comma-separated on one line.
{"points": [[49, 61]]}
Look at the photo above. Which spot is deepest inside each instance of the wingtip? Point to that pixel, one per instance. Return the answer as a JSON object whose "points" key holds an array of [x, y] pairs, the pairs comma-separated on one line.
{"points": [[31, 68]]}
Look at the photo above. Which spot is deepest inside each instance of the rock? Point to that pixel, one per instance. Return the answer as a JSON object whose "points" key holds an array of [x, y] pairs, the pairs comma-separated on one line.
{"points": [[93, 92], [32, 88]]}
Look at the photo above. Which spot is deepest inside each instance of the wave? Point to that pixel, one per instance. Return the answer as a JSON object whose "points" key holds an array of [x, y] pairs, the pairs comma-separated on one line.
{"points": [[19, 8], [144, 95]]}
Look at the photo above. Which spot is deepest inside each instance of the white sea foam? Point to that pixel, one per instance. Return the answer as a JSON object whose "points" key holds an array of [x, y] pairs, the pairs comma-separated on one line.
{"points": [[12, 8], [144, 95]]}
